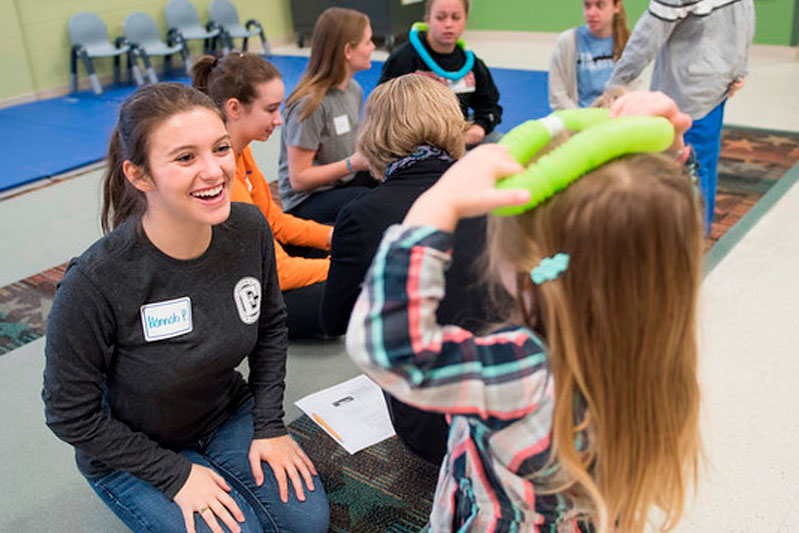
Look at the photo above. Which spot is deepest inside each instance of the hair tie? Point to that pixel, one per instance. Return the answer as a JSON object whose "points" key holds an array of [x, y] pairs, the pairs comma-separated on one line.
{"points": [[550, 268]]}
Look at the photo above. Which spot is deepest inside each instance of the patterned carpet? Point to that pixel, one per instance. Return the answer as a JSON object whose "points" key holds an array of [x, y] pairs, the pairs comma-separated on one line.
{"points": [[752, 161], [24, 307], [385, 488]]}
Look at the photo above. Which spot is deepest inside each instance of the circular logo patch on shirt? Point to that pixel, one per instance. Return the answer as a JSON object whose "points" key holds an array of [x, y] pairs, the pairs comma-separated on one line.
{"points": [[248, 299]]}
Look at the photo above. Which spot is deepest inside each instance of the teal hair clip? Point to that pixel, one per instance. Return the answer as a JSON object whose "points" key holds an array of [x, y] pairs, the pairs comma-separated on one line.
{"points": [[550, 268]]}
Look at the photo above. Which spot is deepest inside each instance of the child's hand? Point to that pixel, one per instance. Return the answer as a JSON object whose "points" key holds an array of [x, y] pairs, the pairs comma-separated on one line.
{"points": [[656, 104], [467, 189], [736, 85]]}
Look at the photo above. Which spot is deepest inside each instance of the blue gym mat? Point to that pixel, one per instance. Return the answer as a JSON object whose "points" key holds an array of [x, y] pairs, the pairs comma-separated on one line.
{"points": [[49, 137]]}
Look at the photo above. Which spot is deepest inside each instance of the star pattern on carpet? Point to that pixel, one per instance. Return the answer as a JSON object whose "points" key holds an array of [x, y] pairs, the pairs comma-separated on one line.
{"points": [[739, 144], [778, 140]]}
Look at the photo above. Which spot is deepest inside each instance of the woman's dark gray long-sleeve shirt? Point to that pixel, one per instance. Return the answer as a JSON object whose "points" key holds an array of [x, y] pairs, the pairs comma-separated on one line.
{"points": [[128, 403]]}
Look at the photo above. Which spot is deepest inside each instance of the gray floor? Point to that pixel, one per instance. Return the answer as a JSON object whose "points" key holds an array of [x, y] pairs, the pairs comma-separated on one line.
{"points": [[749, 334]]}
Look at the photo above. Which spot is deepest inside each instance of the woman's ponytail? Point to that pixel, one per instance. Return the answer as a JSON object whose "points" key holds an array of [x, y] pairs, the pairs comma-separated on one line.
{"points": [[121, 200], [235, 75], [201, 72]]}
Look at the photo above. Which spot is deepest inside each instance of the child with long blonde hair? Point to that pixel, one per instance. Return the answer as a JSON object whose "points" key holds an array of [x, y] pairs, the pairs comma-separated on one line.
{"points": [[583, 414]]}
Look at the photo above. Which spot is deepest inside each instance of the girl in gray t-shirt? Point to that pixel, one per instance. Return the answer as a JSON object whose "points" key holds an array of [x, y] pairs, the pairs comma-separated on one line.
{"points": [[320, 170]]}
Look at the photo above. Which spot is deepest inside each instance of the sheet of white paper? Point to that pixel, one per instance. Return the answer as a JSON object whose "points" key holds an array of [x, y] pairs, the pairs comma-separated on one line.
{"points": [[354, 412]]}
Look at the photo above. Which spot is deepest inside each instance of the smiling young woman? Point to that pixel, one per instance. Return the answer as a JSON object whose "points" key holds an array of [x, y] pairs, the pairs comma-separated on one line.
{"points": [[148, 327], [249, 91]]}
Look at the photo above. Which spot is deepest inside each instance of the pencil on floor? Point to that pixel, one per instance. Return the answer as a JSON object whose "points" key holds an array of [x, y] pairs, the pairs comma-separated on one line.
{"points": [[318, 420]]}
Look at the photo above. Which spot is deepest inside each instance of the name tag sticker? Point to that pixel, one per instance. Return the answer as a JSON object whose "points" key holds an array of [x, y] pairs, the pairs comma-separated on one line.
{"points": [[342, 124], [464, 85], [164, 320]]}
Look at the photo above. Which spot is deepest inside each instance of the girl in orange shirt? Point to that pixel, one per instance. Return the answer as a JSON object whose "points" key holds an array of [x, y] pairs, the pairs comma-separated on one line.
{"points": [[249, 91]]}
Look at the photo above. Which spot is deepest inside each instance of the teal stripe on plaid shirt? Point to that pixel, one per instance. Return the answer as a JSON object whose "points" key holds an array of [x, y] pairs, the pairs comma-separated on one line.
{"points": [[493, 371], [376, 304]]}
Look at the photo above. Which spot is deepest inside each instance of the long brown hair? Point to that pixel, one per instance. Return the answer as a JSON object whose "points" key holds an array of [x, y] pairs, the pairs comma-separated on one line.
{"points": [[139, 115], [335, 28], [621, 32], [406, 112], [235, 75], [620, 327]]}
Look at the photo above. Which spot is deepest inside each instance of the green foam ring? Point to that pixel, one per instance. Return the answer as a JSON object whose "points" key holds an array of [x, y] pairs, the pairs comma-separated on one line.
{"points": [[527, 139], [425, 27], [601, 140]]}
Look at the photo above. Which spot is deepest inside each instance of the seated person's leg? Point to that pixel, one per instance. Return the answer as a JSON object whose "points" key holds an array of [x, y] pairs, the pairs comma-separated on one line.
{"points": [[423, 432], [302, 306], [324, 206], [363, 178], [305, 251]]}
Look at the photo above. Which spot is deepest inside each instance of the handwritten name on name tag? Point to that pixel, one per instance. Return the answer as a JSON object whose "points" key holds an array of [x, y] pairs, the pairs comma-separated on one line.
{"points": [[167, 319]]}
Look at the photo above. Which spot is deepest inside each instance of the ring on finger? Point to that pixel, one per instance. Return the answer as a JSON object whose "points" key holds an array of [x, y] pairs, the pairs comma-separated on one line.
{"points": [[203, 509]]}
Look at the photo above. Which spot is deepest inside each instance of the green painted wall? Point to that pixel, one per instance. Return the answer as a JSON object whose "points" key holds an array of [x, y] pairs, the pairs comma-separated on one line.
{"points": [[16, 79], [775, 18], [536, 15], [42, 25]]}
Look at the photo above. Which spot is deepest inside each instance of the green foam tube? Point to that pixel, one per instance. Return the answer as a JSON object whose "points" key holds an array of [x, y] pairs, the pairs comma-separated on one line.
{"points": [[527, 139], [601, 141]]}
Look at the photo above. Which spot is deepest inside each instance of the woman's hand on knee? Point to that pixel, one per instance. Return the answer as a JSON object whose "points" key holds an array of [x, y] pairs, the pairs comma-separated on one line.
{"points": [[287, 460], [206, 492]]}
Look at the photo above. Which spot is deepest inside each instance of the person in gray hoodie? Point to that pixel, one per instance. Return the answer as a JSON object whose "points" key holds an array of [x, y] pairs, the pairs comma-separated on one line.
{"points": [[702, 49]]}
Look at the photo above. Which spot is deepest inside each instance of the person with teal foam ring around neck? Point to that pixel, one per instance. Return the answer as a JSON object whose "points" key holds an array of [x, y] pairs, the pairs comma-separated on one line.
{"points": [[439, 53]]}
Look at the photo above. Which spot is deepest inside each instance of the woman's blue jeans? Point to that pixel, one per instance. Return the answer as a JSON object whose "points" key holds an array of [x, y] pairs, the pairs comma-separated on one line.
{"points": [[144, 508]]}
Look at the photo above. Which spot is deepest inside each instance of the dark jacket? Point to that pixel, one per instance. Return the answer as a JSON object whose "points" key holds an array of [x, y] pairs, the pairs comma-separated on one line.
{"points": [[484, 101]]}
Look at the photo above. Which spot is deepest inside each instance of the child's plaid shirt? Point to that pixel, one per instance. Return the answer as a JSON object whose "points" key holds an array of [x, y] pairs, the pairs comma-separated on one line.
{"points": [[497, 390]]}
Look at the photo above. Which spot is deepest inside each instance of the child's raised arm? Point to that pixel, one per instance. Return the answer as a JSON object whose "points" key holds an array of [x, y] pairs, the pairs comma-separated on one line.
{"points": [[393, 334], [467, 190]]}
